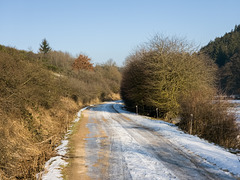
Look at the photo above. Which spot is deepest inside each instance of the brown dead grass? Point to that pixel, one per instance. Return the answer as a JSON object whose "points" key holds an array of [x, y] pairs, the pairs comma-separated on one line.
{"points": [[113, 97], [36, 106], [26, 144]]}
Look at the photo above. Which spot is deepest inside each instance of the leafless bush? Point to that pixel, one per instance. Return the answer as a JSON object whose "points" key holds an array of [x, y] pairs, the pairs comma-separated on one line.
{"points": [[167, 78], [157, 74], [210, 119], [37, 106]]}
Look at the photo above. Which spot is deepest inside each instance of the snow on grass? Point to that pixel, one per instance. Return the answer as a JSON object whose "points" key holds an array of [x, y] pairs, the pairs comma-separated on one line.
{"points": [[192, 144], [54, 165], [235, 109]]}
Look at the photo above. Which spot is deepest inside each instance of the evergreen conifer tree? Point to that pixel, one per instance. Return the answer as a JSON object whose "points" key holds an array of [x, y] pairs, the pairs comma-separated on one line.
{"points": [[44, 47]]}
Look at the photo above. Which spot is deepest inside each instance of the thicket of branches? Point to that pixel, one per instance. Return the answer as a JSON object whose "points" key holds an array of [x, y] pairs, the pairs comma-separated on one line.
{"points": [[39, 96], [166, 78], [162, 71]]}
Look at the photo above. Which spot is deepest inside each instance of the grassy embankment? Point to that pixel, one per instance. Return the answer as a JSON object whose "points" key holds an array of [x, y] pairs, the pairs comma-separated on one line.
{"points": [[39, 97]]}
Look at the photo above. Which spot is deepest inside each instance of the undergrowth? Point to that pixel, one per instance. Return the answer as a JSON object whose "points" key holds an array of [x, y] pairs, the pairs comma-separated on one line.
{"points": [[39, 97]]}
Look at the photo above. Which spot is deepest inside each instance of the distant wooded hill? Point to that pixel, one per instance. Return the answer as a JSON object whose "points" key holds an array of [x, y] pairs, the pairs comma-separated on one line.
{"points": [[225, 51]]}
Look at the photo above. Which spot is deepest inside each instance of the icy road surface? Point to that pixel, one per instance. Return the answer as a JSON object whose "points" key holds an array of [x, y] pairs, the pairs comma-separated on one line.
{"points": [[136, 147], [115, 144]]}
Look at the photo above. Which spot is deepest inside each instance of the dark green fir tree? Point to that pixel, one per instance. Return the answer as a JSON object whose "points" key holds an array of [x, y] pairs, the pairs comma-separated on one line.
{"points": [[44, 47]]}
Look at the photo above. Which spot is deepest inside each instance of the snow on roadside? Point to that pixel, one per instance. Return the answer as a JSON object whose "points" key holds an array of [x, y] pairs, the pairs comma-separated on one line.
{"points": [[192, 144], [236, 109], [53, 165]]}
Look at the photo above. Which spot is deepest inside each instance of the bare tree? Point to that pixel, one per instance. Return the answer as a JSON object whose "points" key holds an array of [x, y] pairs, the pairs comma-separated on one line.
{"points": [[161, 71]]}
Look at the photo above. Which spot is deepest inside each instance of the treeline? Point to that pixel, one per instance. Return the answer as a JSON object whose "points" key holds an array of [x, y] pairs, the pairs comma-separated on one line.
{"points": [[225, 52], [39, 97], [168, 78]]}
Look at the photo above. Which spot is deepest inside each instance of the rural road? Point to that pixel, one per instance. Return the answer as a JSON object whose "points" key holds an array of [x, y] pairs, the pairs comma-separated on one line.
{"points": [[113, 146]]}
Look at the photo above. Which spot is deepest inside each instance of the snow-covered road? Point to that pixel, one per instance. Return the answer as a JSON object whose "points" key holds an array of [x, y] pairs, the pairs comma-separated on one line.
{"points": [[123, 145]]}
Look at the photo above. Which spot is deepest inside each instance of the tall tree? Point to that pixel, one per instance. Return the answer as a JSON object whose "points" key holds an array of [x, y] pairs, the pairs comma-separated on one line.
{"points": [[225, 52], [230, 75], [44, 47], [158, 75], [222, 49]]}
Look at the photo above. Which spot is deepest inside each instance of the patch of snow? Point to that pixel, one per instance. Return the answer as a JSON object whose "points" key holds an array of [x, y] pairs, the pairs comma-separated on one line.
{"points": [[54, 165], [236, 109], [53, 168], [192, 144], [234, 101]]}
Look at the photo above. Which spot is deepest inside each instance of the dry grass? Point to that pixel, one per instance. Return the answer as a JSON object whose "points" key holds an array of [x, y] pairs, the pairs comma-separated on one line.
{"points": [[36, 106], [22, 154]]}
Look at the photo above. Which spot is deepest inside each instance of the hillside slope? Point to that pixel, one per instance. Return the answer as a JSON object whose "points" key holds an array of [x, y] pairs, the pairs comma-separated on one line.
{"points": [[37, 105], [225, 52]]}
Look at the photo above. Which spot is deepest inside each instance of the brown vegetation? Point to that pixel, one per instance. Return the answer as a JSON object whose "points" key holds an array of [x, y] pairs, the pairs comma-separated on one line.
{"points": [[210, 119], [167, 78], [82, 63], [37, 106], [158, 74]]}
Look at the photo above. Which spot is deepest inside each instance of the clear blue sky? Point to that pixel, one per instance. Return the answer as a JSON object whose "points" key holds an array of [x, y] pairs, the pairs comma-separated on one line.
{"points": [[104, 29]]}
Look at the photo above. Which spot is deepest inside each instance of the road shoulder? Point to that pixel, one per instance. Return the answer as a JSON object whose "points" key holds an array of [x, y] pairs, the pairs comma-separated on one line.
{"points": [[77, 168]]}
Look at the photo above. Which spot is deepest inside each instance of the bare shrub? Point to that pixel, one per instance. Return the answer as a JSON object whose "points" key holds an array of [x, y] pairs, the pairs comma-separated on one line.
{"points": [[37, 106], [167, 78], [157, 74], [210, 119], [61, 60]]}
